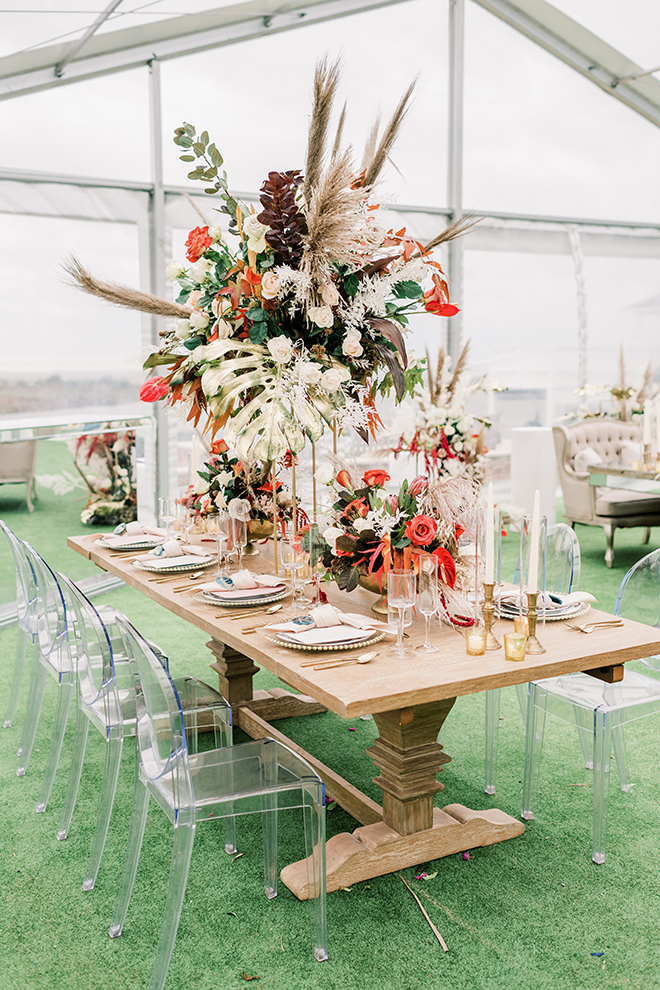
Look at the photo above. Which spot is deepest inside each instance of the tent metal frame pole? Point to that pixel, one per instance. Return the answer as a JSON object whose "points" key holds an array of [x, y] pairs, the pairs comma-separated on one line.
{"points": [[455, 169]]}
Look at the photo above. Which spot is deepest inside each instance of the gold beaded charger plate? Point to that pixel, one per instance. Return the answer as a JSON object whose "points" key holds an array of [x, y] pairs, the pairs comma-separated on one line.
{"points": [[376, 638], [580, 608], [146, 544], [208, 598], [199, 564]]}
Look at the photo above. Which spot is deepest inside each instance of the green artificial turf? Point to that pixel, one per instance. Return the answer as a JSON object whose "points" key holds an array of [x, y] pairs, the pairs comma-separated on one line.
{"points": [[527, 914]]}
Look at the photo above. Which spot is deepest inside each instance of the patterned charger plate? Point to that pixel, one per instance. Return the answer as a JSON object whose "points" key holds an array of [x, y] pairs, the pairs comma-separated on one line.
{"points": [[581, 609], [197, 565], [376, 638], [142, 545], [208, 599]]}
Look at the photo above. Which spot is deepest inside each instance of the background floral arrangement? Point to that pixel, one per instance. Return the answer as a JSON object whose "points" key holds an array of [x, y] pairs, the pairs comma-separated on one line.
{"points": [[439, 428], [373, 531], [105, 464], [224, 478], [620, 401], [302, 324]]}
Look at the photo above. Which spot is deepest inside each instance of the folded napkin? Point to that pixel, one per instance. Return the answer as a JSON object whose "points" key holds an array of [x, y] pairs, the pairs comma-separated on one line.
{"points": [[137, 529], [191, 560], [551, 602], [329, 635], [244, 584], [329, 619]]}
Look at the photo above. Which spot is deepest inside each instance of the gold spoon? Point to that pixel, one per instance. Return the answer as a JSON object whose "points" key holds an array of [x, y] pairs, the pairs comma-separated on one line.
{"points": [[363, 658], [258, 611]]}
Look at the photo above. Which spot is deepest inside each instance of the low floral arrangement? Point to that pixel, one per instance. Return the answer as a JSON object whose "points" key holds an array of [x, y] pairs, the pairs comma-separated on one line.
{"points": [[439, 428], [373, 531], [104, 462], [621, 401], [302, 323], [224, 478]]}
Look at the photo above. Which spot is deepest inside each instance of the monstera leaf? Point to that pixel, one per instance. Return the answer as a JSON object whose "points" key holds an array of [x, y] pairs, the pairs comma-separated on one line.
{"points": [[277, 417]]}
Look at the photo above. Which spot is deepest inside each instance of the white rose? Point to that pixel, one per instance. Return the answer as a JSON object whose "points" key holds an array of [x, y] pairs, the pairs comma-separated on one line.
{"points": [[221, 305], [200, 270], [216, 234], [239, 508], [174, 269], [322, 316], [360, 524], [331, 535], [325, 473], [331, 380], [198, 319], [352, 346], [183, 329], [280, 349], [220, 500], [224, 477], [270, 285], [201, 487], [223, 329], [255, 232], [330, 294], [310, 373]]}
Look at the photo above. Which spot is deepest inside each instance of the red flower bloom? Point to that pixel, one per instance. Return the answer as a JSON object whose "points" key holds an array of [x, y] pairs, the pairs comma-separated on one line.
{"points": [[436, 300], [197, 243], [421, 530], [219, 447], [344, 479], [356, 508], [154, 389], [446, 567], [375, 479], [393, 502]]}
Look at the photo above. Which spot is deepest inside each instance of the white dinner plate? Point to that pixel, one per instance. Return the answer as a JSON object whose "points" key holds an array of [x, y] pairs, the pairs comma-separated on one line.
{"points": [[210, 599], [376, 638], [148, 543], [191, 563], [554, 615]]}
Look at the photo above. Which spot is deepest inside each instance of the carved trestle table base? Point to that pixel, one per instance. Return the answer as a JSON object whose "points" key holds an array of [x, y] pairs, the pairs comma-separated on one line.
{"points": [[409, 701]]}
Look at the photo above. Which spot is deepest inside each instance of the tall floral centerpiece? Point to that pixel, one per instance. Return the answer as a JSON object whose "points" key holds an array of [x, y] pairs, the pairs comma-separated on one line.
{"points": [[438, 426], [373, 531], [300, 323]]}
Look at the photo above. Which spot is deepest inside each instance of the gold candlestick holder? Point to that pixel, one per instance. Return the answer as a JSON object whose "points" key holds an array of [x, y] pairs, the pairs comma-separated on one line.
{"points": [[648, 462], [533, 645], [488, 610]]}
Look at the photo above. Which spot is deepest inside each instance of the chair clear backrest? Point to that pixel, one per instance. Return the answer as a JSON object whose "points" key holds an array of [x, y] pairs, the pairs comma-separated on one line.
{"points": [[638, 597], [562, 560], [50, 613], [92, 652], [26, 582], [161, 738]]}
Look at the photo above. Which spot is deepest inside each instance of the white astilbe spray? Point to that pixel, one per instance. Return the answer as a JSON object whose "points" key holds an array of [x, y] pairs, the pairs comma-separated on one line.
{"points": [[373, 292], [352, 414], [60, 484]]}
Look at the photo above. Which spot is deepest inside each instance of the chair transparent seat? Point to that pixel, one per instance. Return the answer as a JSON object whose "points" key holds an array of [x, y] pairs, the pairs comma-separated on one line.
{"points": [[26, 596], [599, 711], [562, 575], [106, 700], [258, 777]]}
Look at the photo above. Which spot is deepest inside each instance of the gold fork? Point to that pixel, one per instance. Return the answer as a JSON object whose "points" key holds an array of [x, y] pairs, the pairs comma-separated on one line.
{"points": [[589, 627]]}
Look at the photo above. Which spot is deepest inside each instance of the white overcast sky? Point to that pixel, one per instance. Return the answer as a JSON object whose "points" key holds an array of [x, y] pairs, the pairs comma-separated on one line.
{"points": [[538, 139]]}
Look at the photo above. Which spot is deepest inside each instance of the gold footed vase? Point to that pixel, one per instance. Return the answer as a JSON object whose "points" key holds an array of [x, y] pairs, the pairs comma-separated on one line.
{"points": [[258, 529], [371, 583]]}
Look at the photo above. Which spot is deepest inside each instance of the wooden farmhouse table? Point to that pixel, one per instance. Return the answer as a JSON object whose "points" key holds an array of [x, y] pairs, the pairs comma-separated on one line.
{"points": [[408, 699]]}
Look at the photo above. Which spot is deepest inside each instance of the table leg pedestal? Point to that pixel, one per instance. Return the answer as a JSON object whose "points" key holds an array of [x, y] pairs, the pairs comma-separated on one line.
{"points": [[375, 850], [235, 673]]}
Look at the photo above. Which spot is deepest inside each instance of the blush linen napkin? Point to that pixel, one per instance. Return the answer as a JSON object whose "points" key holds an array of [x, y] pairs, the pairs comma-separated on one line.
{"points": [[511, 599], [327, 624], [133, 532], [244, 584]]}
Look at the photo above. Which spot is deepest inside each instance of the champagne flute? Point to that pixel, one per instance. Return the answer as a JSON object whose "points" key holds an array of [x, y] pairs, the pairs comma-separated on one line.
{"points": [[427, 597], [400, 595], [292, 557], [167, 514], [239, 537]]}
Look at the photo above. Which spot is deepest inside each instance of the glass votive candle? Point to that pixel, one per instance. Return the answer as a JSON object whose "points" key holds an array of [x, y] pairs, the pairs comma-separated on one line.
{"points": [[521, 625], [475, 641], [514, 645]]}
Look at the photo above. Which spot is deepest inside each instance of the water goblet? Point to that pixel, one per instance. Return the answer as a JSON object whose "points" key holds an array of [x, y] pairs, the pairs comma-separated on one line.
{"points": [[400, 595], [427, 597]]}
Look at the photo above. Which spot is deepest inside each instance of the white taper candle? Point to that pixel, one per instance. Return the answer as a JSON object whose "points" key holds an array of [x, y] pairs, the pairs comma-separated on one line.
{"points": [[533, 579], [488, 578]]}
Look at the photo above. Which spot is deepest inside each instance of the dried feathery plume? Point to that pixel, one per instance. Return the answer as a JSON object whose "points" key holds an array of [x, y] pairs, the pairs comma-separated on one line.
{"points": [[122, 295], [460, 226], [481, 443], [449, 499], [370, 145], [339, 133], [459, 369], [390, 135], [622, 368], [645, 391], [326, 80], [331, 215], [438, 374], [200, 213]]}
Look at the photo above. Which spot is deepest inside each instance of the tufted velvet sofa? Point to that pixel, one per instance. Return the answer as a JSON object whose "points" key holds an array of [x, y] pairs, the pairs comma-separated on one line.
{"points": [[606, 507]]}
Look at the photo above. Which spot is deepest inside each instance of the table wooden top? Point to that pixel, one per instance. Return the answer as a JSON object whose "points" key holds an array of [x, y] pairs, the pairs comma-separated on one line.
{"points": [[387, 683]]}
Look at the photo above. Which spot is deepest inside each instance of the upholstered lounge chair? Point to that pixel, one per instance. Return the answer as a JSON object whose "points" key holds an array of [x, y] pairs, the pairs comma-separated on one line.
{"points": [[610, 508], [18, 460]]}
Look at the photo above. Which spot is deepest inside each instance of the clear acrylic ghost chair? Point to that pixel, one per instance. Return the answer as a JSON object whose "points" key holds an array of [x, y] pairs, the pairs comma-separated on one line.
{"points": [[26, 594], [52, 656], [106, 700], [250, 778], [599, 710], [562, 575]]}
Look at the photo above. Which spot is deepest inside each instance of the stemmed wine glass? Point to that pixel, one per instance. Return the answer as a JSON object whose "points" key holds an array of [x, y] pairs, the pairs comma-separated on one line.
{"points": [[316, 551], [167, 514], [222, 528], [293, 558], [427, 597], [400, 595], [239, 537]]}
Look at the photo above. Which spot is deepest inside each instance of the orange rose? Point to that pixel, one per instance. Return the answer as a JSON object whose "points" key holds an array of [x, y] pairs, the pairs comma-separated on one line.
{"points": [[375, 479], [421, 530], [197, 243]]}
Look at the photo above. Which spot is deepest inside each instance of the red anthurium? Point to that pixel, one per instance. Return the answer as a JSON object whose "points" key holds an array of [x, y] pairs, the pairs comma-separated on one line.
{"points": [[446, 567], [436, 300], [154, 389]]}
